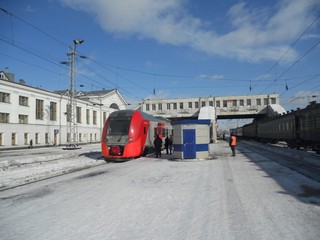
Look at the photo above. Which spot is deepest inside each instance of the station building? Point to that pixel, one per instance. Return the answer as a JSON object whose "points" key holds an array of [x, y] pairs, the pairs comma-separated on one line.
{"points": [[30, 113]]}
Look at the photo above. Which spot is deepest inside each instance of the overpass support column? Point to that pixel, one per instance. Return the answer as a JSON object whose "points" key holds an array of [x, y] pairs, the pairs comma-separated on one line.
{"points": [[213, 130]]}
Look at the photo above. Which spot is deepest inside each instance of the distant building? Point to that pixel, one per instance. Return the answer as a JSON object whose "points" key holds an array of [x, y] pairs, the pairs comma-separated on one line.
{"points": [[29, 113], [226, 107]]}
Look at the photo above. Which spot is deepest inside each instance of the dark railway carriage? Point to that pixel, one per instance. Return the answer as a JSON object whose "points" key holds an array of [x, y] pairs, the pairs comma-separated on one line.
{"points": [[249, 131], [278, 129], [129, 134], [236, 132], [300, 128], [308, 128]]}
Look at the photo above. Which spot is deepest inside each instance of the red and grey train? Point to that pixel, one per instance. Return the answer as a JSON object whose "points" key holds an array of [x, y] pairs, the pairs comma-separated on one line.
{"points": [[300, 128], [129, 134]]}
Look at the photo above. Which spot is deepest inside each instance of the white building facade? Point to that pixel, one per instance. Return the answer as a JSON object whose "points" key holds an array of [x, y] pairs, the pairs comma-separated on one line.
{"points": [[28, 113]]}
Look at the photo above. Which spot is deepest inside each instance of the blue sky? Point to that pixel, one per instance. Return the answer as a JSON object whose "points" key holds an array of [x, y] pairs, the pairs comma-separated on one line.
{"points": [[175, 48]]}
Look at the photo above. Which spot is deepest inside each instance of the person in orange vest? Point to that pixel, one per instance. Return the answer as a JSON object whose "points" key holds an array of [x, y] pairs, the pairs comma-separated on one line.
{"points": [[233, 144]]}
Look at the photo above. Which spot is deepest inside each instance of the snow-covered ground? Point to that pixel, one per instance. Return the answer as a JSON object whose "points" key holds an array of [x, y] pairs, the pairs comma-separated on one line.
{"points": [[24, 166], [243, 197]]}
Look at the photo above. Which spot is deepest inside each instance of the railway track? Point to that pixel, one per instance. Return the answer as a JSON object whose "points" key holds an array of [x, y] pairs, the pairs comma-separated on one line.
{"points": [[305, 163]]}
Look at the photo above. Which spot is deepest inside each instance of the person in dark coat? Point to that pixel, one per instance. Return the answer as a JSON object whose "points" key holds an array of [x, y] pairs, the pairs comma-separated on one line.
{"points": [[166, 144], [157, 145], [170, 144]]}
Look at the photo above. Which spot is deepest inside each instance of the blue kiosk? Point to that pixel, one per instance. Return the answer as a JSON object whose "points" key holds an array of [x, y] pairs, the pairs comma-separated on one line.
{"points": [[191, 139]]}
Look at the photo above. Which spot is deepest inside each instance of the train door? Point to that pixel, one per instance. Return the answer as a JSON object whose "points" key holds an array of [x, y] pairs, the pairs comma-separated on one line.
{"points": [[159, 130], [189, 145]]}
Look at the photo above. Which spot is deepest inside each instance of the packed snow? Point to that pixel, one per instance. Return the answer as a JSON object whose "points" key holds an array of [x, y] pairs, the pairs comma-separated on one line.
{"points": [[243, 197]]}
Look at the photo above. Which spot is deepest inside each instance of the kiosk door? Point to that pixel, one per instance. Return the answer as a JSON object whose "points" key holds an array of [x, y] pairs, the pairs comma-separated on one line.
{"points": [[189, 143]]}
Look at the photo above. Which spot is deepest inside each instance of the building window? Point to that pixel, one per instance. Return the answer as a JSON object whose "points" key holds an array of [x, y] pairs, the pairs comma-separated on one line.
{"points": [[234, 103], [153, 107], [196, 104], [88, 116], [160, 106], [190, 104], [1, 139], [80, 137], [13, 139], [46, 138], [39, 109], [203, 103], [217, 103], [4, 117], [258, 102], [242, 102], [53, 111], [181, 105], [23, 101], [95, 117], [168, 106], [211, 103], [26, 139], [249, 102], [175, 106], [147, 107], [273, 101], [225, 104], [4, 97], [23, 119], [78, 114], [37, 138], [266, 101]]}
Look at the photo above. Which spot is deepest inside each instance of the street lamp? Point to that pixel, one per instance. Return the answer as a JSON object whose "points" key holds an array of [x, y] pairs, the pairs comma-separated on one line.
{"points": [[72, 127]]}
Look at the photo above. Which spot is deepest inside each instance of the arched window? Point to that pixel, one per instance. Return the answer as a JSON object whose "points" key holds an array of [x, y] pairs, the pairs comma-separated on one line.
{"points": [[114, 106]]}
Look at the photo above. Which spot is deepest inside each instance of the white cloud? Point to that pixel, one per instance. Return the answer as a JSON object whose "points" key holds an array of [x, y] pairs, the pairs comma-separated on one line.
{"points": [[257, 33], [212, 77]]}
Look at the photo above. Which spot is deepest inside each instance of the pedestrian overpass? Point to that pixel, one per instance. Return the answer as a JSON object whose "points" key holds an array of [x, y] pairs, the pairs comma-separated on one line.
{"points": [[213, 108], [228, 107]]}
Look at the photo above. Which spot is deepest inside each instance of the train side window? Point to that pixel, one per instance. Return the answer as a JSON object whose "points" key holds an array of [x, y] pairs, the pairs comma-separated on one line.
{"points": [[144, 130]]}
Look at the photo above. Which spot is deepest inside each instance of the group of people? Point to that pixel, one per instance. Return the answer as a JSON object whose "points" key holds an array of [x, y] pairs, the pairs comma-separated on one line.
{"points": [[158, 145], [169, 141]]}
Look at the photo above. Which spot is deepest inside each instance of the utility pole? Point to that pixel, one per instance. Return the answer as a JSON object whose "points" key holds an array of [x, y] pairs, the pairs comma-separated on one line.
{"points": [[72, 126]]}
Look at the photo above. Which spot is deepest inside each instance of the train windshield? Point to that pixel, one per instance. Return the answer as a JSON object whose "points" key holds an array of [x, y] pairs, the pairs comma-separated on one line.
{"points": [[118, 127]]}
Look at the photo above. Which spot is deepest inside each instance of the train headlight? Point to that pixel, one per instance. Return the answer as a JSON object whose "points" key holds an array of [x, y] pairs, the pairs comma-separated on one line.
{"points": [[130, 140]]}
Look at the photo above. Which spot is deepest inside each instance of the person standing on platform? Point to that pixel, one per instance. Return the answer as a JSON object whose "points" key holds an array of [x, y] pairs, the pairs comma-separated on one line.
{"points": [[170, 144], [157, 145], [233, 144], [166, 144]]}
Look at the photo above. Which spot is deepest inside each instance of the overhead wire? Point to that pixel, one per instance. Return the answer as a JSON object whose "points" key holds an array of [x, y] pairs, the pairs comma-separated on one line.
{"points": [[292, 65], [152, 73], [291, 46]]}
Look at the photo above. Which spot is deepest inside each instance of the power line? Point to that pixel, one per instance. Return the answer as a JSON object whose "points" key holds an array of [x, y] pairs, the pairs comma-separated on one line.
{"points": [[27, 51], [292, 65], [291, 46], [34, 27]]}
